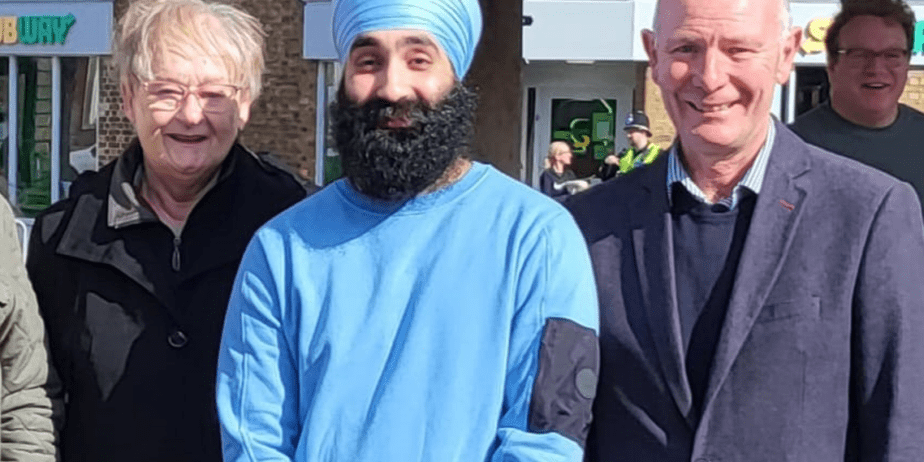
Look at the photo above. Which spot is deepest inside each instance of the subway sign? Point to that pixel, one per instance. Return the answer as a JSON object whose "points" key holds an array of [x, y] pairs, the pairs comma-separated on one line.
{"points": [[813, 41], [55, 28], [35, 30]]}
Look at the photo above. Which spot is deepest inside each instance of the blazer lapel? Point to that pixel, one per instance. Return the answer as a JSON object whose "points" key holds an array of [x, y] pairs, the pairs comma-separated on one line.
{"points": [[776, 216], [654, 258]]}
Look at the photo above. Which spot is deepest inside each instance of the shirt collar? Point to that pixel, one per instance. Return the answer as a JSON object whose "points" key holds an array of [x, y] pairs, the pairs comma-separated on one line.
{"points": [[752, 180]]}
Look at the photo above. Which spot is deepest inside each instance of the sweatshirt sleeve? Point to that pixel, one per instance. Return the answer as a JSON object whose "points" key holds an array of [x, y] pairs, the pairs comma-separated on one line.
{"points": [[257, 384], [28, 382], [553, 361]]}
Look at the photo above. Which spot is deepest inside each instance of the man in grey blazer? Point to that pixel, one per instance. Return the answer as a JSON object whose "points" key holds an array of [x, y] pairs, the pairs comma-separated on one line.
{"points": [[761, 299]]}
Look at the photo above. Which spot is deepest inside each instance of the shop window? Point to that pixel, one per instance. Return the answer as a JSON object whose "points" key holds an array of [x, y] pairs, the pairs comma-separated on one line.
{"points": [[589, 126], [35, 133]]}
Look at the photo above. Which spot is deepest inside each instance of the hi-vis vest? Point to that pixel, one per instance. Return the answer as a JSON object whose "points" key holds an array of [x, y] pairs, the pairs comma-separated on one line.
{"points": [[628, 161]]}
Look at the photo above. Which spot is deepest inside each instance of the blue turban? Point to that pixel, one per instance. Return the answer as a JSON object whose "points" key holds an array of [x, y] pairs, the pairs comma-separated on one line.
{"points": [[456, 24]]}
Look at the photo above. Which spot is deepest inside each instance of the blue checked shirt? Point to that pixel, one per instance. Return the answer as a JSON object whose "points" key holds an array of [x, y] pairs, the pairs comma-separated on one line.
{"points": [[752, 180]]}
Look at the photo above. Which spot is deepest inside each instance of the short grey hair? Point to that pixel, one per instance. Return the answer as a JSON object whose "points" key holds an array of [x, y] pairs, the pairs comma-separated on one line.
{"points": [[784, 14], [150, 27]]}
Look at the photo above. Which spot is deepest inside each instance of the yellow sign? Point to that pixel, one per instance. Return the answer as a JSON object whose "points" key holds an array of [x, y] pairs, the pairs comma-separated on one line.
{"points": [[815, 33]]}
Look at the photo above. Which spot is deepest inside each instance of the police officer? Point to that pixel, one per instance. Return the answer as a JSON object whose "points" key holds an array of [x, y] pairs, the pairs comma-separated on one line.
{"points": [[640, 151]]}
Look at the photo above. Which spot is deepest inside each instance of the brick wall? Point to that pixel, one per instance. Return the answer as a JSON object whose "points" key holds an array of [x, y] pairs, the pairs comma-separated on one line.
{"points": [[281, 121], [914, 90], [661, 127]]}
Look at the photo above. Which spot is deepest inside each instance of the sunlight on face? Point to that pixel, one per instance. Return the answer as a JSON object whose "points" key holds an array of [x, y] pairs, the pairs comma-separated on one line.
{"points": [[185, 142], [395, 65], [717, 63]]}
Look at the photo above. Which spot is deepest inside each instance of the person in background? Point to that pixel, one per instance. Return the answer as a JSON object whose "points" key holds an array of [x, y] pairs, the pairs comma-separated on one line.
{"points": [[440, 310], [133, 271], [28, 404], [641, 150], [557, 180], [761, 299], [869, 53]]}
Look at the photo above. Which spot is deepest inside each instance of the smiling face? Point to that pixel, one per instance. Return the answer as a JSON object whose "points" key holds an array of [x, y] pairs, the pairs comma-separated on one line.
{"points": [[185, 143], [717, 63], [397, 66], [867, 93], [401, 118]]}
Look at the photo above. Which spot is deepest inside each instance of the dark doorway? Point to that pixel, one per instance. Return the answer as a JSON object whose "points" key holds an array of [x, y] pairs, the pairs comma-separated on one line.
{"points": [[811, 88]]}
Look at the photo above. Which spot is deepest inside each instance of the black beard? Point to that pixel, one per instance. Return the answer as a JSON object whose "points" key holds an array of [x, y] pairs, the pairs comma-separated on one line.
{"points": [[396, 164]]}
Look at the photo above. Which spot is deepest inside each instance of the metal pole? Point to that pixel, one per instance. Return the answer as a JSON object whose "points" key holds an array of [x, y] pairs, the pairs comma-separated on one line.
{"points": [[791, 97], [55, 129], [320, 135], [12, 160]]}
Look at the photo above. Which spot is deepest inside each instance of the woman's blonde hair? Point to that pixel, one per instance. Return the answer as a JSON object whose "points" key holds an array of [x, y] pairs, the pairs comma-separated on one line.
{"points": [[556, 148], [192, 28]]}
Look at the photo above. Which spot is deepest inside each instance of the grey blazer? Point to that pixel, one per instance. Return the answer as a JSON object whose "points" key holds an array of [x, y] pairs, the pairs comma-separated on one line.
{"points": [[821, 354]]}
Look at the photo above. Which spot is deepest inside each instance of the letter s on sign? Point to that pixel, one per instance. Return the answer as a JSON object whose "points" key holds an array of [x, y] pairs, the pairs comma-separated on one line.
{"points": [[815, 36]]}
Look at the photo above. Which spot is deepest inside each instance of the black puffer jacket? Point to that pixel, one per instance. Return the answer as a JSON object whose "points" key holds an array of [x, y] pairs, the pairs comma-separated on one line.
{"points": [[134, 315]]}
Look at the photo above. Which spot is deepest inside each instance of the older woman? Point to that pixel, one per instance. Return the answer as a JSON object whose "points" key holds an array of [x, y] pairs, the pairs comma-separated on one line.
{"points": [[134, 270]]}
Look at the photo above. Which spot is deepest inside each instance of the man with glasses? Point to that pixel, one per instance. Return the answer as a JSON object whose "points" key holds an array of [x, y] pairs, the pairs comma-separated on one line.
{"points": [[869, 46]]}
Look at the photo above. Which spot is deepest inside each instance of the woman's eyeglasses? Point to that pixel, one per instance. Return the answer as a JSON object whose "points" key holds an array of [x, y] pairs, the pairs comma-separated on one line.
{"points": [[215, 98]]}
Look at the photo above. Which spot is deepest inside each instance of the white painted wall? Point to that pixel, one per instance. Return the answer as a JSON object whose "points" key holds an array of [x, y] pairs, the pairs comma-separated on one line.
{"points": [[583, 30]]}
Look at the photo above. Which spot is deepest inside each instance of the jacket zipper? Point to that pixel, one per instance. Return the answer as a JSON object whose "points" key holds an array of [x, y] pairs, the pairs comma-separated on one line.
{"points": [[176, 253]]}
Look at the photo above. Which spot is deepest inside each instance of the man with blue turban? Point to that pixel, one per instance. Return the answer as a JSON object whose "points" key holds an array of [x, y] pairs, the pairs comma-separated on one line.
{"points": [[435, 309]]}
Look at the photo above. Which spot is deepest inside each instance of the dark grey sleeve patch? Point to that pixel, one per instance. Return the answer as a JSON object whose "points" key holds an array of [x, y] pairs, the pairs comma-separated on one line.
{"points": [[563, 394]]}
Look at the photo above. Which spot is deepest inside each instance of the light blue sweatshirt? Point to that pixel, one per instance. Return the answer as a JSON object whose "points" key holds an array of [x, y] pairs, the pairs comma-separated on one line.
{"points": [[361, 331]]}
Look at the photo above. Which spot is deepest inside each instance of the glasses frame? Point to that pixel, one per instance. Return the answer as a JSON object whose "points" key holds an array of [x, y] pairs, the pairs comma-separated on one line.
{"points": [[869, 56], [187, 90]]}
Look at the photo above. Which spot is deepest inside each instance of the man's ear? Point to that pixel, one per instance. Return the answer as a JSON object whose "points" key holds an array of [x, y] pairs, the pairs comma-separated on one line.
{"points": [[128, 106], [651, 48], [791, 41]]}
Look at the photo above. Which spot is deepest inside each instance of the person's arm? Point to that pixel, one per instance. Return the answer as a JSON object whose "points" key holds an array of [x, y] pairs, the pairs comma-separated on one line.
{"points": [[553, 361], [257, 390], [887, 372], [27, 431]]}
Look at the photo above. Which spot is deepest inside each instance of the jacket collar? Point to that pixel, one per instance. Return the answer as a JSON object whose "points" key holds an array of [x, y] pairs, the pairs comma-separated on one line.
{"points": [[125, 206], [89, 234]]}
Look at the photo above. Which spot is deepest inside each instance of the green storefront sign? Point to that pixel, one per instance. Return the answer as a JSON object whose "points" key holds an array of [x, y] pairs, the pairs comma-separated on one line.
{"points": [[589, 126], [35, 30]]}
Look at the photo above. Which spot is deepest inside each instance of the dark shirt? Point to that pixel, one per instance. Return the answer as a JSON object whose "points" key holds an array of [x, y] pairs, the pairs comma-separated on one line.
{"points": [[708, 240], [895, 149], [549, 179]]}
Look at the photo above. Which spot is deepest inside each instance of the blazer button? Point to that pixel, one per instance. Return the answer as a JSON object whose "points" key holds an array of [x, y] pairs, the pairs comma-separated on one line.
{"points": [[177, 339]]}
